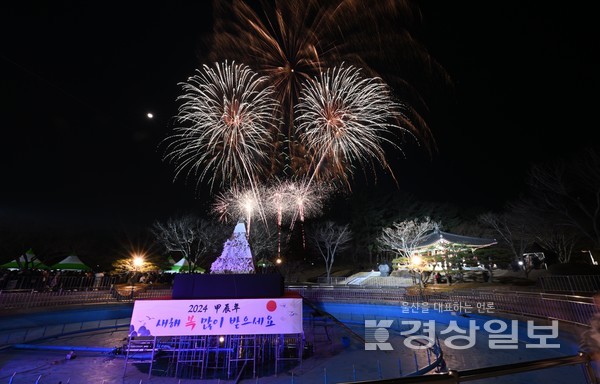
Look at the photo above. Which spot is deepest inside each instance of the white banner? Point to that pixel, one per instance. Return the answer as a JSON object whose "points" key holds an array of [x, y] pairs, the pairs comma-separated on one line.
{"points": [[216, 317]]}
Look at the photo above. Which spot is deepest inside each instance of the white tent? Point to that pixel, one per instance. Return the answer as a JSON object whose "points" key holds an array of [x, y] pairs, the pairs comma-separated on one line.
{"points": [[29, 258], [183, 266], [171, 260], [71, 263]]}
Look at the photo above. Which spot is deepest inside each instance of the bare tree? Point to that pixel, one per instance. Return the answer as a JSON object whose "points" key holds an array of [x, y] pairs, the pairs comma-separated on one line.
{"points": [[515, 233], [560, 242], [405, 238], [28, 261], [264, 242], [546, 228], [330, 238], [195, 239], [572, 191]]}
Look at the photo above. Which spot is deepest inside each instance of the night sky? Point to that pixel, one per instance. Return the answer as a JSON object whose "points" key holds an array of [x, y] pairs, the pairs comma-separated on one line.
{"points": [[79, 78]]}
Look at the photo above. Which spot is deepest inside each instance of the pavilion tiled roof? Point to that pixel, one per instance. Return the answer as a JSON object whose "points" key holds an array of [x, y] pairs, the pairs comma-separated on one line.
{"points": [[437, 237]]}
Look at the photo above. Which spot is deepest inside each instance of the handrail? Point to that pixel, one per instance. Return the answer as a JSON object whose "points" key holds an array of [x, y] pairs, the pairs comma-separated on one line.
{"points": [[526, 366], [514, 302], [455, 377], [552, 306], [568, 308], [13, 337]]}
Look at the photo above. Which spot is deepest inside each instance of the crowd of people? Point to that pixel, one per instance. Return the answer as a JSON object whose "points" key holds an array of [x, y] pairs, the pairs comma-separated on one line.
{"points": [[53, 280]]}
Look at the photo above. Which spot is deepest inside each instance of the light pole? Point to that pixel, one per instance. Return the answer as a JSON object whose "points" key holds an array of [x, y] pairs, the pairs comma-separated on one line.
{"points": [[138, 262], [416, 264]]}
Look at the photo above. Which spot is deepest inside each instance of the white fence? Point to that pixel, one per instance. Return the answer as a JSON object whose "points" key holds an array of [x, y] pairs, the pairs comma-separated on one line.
{"points": [[24, 299], [569, 308], [572, 284]]}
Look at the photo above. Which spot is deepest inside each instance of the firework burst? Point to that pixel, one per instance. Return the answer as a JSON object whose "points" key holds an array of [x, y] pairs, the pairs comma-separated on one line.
{"points": [[291, 42], [306, 201], [294, 118], [226, 120], [344, 119], [236, 204], [284, 200], [277, 199]]}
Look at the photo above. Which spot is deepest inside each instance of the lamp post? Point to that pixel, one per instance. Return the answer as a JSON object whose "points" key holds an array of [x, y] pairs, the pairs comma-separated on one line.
{"points": [[415, 262], [137, 262]]}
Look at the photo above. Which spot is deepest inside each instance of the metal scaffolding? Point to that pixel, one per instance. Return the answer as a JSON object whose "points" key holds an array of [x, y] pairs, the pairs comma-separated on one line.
{"points": [[197, 357]]}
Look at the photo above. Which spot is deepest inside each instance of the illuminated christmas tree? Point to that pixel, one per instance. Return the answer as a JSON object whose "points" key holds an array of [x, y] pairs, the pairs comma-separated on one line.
{"points": [[236, 256]]}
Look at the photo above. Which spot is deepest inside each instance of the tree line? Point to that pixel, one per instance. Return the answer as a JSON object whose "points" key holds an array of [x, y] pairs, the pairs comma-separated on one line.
{"points": [[558, 211]]}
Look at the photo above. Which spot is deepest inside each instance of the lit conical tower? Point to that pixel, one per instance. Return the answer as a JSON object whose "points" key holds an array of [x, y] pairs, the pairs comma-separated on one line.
{"points": [[236, 256]]}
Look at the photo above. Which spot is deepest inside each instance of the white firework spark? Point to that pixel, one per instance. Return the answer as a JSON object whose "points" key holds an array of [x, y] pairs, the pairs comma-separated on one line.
{"points": [[236, 204], [277, 199], [344, 120], [305, 201], [293, 41], [283, 200], [227, 120]]}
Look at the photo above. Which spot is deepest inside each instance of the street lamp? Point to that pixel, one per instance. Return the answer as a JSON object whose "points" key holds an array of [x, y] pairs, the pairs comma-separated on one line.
{"points": [[138, 263], [416, 261]]}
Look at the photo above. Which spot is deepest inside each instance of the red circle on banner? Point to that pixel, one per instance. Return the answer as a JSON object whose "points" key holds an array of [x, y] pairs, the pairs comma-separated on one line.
{"points": [[271, 305]]}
